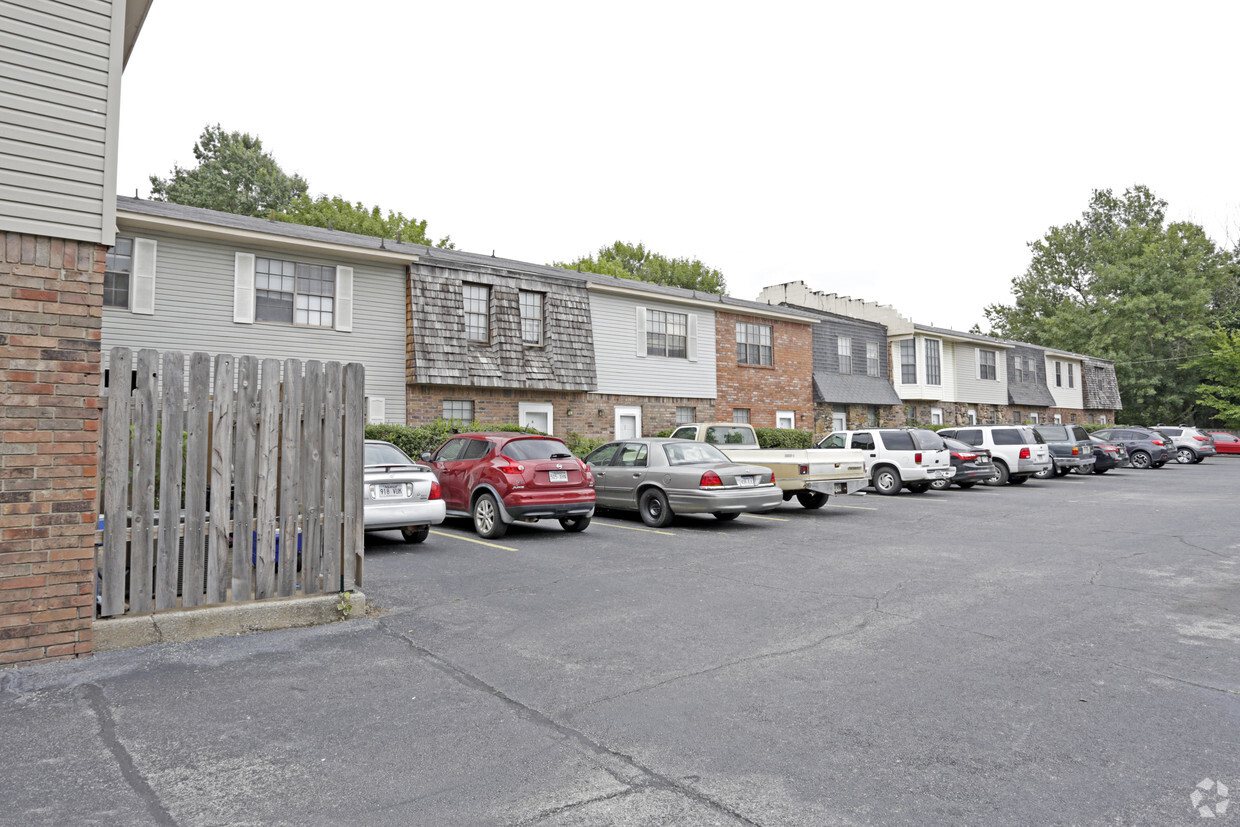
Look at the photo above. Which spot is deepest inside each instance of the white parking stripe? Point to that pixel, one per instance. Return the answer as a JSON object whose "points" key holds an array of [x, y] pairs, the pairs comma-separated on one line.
{"points": [[634, 528], [763, 517], [857, 507], [454, 536]]}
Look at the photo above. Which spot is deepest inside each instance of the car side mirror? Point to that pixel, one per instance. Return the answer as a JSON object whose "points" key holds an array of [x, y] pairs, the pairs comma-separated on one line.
{"points": [[426, 456]]}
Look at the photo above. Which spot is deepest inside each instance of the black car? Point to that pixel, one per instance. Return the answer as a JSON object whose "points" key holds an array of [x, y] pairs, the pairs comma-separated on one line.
{"points": [[1108, 455], [972, 464], [1146, 448]]}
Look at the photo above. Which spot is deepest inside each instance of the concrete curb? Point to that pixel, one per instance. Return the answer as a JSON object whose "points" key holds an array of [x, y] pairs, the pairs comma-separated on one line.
{"points": [[179, 625]]}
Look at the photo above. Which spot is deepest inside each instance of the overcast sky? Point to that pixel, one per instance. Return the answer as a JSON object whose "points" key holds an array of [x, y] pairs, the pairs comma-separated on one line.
{"points": [[904, 153]]}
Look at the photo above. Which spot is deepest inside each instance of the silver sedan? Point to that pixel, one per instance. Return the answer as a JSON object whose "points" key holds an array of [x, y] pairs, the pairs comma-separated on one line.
{"points": [[399, 493], [663, 477]]}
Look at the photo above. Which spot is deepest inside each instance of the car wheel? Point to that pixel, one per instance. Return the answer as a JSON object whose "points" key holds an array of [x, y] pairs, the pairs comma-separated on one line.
{"points": [[1001, 474], [1048, 473], [811, 499], [415, 533], [574, 523], [654, 508], [1199, 460], [1021, 480], [966, 485], [726, 515], [941, 485], [919, 487], [1098, 470], [1185, 455], [1084, 470], [1159, 464], [487, 521], [1061, 472], [1140, 459], [887, 481]]}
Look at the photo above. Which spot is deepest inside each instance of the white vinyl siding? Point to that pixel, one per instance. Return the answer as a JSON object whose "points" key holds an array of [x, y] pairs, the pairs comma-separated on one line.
{"points": [[620, 334], [59, 110], [1067, 393], [195, 312]]}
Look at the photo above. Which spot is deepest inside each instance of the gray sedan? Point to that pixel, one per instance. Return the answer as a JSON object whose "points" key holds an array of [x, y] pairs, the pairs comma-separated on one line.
{"points": [[663, 477]]}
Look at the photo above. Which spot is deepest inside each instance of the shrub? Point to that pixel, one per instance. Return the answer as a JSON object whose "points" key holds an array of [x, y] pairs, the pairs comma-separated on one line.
{"points": [[420, 439], [784, 438]]}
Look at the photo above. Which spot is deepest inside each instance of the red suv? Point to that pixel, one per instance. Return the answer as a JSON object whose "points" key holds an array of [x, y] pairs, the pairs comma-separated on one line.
{"points": [[497, 479]]}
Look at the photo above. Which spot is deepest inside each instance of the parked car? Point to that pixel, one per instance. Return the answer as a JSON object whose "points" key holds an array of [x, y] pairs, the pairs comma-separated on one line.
{"points": [[398, 493], [1190, 444], [1018, 452], [1225, 443], [1070, 448], [1107, 455], [972, 465], [896, 458], [496, 479], [661, 477], [1146, 448]]}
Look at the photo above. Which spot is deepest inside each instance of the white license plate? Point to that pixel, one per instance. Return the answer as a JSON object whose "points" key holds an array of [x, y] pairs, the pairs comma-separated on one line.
{"points": [[387, 492], [557, 476], [744, 482], [982, 460]]}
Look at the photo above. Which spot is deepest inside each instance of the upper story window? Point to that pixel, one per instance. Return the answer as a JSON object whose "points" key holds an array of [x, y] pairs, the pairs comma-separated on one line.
{"points": [[871, 358], [1059, 374], [753, 344], [933, 375], [476, 299], [531, 318], [908, 362], [1071, 376], [1031, 370], [294, 293], [116, 269], [843, 347], [986, 365], [667, 334], [1018, 370]]}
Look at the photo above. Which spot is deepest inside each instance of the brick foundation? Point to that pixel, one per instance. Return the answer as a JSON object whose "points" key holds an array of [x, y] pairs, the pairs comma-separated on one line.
{"points": [[51, 305]]}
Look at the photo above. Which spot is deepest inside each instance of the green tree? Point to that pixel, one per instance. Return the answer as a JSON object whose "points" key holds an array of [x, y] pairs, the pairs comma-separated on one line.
{"points": [[1220, 372], [338, 214], [233, 175], [1123, 284], [634, 261]]}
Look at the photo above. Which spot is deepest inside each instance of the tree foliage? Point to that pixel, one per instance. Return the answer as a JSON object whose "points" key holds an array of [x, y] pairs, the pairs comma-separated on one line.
{"points": [[338, 214], [233, 175], [1220, 372], [634, 261], [1123, 284]]}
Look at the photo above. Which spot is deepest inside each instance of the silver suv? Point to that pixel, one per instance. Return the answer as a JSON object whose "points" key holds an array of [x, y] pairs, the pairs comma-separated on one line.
{"points": [[1191, 444], [897, 458], [1018, 452]]}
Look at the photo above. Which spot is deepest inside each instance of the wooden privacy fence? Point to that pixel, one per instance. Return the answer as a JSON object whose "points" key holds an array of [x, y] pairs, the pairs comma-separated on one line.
{"points": [[245, 488]]}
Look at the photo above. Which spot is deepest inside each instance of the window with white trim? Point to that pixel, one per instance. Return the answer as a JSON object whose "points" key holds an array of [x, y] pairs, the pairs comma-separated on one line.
{"points": [[531, 317], [933, 375], [740, 415], [667, 334], [476, 300], [1033, 418], [843, 347], [871, 358], [1059, 374], [685, 415], [458, 410], [986, 365], [1071, 375], [908, 362], [936, 416], [116, 270], [1058, 419], [1018, 372], [294, 293], [1031, 370], [753, 344]]}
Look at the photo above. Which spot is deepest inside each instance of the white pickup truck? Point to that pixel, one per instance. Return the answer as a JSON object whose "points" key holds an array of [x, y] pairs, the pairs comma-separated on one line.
{"points": [[809, 474]]}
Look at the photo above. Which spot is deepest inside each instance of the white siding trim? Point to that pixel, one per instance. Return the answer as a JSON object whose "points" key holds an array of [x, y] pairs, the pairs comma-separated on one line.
{"points": [[143, 275], [641, 331], [344, 299], [112, 121], [243, 289]]}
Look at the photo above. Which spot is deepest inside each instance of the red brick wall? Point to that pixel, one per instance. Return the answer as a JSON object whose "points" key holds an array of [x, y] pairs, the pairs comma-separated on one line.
{"points": [[51, 303], [785, 386]]}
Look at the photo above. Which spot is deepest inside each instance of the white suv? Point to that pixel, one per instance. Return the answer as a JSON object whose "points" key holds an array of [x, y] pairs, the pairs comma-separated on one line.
{"points": [[897, 458], [1018, 451]]}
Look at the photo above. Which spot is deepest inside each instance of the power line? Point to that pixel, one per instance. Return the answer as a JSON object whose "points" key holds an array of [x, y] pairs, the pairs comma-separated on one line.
{"points": [[1181, 358]]}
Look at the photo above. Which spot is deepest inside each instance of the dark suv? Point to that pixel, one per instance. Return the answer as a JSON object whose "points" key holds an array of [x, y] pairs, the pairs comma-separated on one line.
{"points": [[1071, 449], [1146, 448]]}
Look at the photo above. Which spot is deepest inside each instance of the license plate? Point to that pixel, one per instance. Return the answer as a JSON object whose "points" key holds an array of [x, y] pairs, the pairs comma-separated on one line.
{"points": [[939, 475], [982, 460], [744, 482], [558, 476], [387, 492]]}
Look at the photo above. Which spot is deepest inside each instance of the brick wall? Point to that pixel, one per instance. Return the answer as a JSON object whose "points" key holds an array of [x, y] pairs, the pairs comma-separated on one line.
{"points": [[785, 386], [51, 302]]}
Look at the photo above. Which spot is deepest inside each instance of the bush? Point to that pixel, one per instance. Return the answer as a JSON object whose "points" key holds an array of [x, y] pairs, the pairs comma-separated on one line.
{"points": [[416, 440], [784, 438]]}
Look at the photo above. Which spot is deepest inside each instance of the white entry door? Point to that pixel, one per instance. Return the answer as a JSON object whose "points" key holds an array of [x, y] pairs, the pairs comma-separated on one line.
{"points": [[839, 421], [536, 415], [628, 422]]}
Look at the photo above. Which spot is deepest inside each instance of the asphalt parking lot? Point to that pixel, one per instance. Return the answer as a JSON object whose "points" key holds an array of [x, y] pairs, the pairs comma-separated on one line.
{"points": [[1067, 651]]}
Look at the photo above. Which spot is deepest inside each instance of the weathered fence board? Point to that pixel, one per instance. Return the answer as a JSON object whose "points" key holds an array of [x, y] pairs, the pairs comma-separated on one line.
{"points": [[244, 462], [141, 534], [312, 481], [116, 484], [171, 467], [354, 462], [332, 469], [197, 433], [221, 477], [290, 476], [268, 477]]}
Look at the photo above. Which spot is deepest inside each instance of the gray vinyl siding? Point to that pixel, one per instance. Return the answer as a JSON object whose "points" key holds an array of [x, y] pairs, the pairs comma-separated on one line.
{"points": [[59, 89], [969, 387], [194, 312], [621, 371]]}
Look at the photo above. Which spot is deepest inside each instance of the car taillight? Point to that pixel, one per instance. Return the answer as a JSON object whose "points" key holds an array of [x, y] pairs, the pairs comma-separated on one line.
{"points": [[436, 491], [1076, 450], [1024, 453], [917, 457], [1202, 438], [804, 469], [710, 478], [1158, 442], [772, 478], [1110, 448], [511, 467], [963, 457]]}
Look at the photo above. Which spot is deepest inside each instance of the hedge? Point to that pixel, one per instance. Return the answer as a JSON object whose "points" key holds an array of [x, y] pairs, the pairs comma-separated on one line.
{"points": [[417, 440]]}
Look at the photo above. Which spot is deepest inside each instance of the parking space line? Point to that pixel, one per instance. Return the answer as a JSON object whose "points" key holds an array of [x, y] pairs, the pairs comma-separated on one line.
{"points": [[454, 536], [761, 517], [634, 528], [857, 507]]}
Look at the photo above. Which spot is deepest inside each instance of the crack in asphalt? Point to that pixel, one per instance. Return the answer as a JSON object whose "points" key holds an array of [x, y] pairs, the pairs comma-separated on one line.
{"points": [[650, 777], [575, 805], [129, 771], [1199, 548]]}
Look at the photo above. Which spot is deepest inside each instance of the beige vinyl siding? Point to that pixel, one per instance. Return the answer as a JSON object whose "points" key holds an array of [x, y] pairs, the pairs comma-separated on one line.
{"points": [[194, 312], [1064, 396], [970, 388], [621, 372], [59, 90]]}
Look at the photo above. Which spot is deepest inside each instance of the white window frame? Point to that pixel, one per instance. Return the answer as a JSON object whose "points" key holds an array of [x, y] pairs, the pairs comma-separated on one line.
{"points": [[1058, 374], [972, 416], [485, 313], [912, 351], [532, 320], [1058, 419], [843, 351], [740, 416], [524, 408], [872, 365], [934, 346], [683, 411], [139, 275], [1034, 419], [789, 417], [995, 365], [314, 303], [750, 335], [1071, 376]]}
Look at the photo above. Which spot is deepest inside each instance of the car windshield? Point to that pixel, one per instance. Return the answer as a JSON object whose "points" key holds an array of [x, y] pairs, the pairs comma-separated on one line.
{"points": [[927, 440], [689, 453], [383, 453], [537, 449]]}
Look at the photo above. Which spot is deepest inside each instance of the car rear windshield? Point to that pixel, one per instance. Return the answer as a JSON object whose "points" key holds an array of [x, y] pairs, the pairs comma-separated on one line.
{"points": [[1007, 436], [384, 454], [724, 435], [897, 440], [688, 453], [536, 449], [1080, 434], [1052, 433], [927, 440]]}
